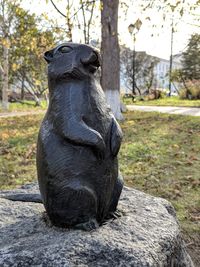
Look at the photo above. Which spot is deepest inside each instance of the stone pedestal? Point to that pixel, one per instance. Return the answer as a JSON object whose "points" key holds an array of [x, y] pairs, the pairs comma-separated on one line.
{"points": [[147, 235]]}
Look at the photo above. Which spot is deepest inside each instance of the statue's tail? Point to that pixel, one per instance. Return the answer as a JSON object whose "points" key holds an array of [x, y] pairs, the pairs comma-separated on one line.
{"points": [[24, 197]]}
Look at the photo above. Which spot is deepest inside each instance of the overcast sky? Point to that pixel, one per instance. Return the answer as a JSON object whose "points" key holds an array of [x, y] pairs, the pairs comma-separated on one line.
{"points": [[157, 45]]}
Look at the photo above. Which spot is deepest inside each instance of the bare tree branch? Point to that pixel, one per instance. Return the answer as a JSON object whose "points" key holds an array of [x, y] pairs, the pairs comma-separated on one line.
{"points": [[84, 21], [89, 2], [58, 9], [90, 20]]}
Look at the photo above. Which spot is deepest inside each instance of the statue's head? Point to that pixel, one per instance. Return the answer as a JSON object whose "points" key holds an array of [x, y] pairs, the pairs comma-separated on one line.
{"points": [[72, 61]]}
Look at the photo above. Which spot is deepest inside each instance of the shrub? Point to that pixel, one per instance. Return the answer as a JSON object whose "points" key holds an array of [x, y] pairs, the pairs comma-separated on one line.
{"points": [[191, 90], [183, 93], [154, 94]]}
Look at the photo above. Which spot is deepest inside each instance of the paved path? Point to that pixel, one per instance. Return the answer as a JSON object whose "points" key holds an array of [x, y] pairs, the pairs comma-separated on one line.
{"points": [[20, 113], [170, 110]]}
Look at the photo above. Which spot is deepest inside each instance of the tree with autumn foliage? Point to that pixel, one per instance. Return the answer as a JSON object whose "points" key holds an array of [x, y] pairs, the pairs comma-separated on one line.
{"points": [[191, 58], [189, 75], [24, 44], [28, 68]]}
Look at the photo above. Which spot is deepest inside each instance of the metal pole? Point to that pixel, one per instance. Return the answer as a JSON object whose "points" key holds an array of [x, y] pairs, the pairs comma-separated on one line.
{"points": [[133, 64], [171, 57]]}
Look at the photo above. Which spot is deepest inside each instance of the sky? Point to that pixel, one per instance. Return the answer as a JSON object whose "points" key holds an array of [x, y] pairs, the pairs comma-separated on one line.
{"points": [[156, 45]]}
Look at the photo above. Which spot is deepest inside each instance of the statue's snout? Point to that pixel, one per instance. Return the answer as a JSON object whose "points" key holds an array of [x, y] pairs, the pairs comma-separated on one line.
{"points": [[92, 61]]}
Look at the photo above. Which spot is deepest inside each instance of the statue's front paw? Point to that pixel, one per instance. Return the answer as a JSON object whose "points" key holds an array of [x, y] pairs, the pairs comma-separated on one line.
{"points": [[91, 225]]}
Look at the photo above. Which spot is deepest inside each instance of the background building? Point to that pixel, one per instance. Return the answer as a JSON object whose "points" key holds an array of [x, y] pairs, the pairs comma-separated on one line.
{"points": [[151, 72]]}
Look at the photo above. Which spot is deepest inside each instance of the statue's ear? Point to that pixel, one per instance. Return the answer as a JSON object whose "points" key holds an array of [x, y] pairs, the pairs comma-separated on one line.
{"points": [[48, 56]]}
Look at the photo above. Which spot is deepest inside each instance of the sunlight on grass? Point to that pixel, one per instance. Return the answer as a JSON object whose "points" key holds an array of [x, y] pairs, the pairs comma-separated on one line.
{"points": [[174, 101], [18, 137], [161, 156], [27, 106]]}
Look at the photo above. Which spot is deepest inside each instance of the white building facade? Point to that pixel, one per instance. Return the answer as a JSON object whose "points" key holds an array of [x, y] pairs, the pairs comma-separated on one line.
{"points": [[160, 76], [161, 73]]}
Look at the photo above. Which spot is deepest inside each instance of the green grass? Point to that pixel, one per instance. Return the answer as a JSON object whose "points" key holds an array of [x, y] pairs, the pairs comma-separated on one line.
{"points": [[160, 155], [18, 137], [27, 106], [173, 101]]}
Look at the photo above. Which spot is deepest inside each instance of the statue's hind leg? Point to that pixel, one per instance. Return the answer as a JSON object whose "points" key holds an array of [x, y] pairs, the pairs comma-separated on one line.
{"points": [[74, 206]]}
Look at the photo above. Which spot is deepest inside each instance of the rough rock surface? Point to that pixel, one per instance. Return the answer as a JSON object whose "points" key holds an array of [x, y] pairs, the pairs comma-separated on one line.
{"points": [[146, 235]]}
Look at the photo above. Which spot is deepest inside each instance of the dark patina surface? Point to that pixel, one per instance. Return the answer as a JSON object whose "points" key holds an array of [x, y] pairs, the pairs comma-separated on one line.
{"points": [[78, 142]]}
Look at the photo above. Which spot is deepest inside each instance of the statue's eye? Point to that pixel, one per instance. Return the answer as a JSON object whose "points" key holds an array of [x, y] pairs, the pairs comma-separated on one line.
{"points": [[65, 49]]}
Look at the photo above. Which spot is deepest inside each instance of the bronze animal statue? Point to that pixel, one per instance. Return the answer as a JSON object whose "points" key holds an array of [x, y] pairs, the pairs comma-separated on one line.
{"points": [[78, 142]]}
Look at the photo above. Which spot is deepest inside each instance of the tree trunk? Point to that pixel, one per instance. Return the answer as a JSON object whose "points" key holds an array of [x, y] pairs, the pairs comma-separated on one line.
{"points": [[37, 101], [5, 104], [110, 75], [22, 90]]}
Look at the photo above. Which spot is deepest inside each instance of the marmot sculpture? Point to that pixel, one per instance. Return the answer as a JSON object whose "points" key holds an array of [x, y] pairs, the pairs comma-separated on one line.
{"points": [[78, 142]]}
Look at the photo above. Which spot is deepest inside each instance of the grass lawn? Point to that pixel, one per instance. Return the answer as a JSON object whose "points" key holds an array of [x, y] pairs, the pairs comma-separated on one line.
{"points": [[160, 155], [18, 137], [27, 106], [173, 101]]}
